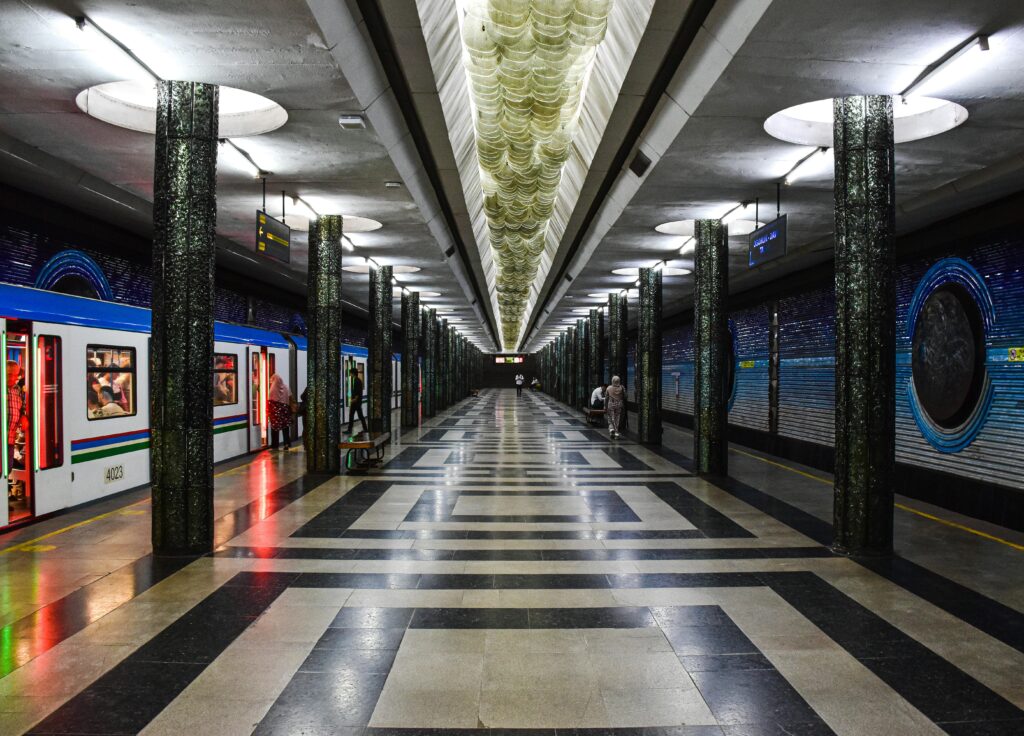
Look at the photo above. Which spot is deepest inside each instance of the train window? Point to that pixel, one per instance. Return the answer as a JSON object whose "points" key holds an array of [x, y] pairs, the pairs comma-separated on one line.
{"points": [[110, 382], [48, 419], [225, 379], [948, 358]]}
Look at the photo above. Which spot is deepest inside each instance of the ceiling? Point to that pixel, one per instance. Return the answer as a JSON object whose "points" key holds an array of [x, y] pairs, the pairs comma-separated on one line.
{"points": [[795, 51], [704, 78], [273, 48]]}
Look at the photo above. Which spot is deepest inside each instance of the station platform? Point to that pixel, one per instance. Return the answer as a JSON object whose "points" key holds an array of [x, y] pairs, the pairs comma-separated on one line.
{"points": [[510, 567]]}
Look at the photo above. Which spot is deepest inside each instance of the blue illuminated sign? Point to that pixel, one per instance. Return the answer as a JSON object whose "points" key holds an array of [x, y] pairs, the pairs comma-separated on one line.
{"points": [[767, 243]]}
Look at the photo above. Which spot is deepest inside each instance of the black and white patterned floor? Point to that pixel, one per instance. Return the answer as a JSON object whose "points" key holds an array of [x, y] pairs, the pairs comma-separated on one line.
{"points": [[511, 568]]}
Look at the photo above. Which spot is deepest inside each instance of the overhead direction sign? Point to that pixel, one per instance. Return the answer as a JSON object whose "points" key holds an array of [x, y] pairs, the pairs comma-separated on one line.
{"points": [[767, 243], [273, 237]]}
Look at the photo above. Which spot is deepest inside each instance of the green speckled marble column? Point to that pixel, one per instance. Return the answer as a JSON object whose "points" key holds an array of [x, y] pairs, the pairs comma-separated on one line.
{"points": [[322, 423], [710, 348], [428, 346], [181, 351], [445, 364], [596, 352], [582, 363], [865, 213], [378, 345], [453, 368], [618, 353], [570, 365], [410, 358], [648, 357]]}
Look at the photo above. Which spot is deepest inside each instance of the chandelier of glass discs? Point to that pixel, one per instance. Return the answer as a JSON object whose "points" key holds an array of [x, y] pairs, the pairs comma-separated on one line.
{"points": [[527, 63]]}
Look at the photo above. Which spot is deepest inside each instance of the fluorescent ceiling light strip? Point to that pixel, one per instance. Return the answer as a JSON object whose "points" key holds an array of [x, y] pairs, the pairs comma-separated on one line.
{"points": [[958, 59], [88, 25], [793, 174]]}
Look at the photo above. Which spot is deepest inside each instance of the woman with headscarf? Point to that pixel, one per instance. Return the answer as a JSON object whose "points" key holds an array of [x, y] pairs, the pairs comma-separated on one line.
{"points": [[279, 400], [614, 403]]}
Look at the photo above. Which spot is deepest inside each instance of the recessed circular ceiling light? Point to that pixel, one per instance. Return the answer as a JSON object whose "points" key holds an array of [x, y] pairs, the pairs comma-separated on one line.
{"points": [[582, 310], [429, 294], [601, 294], [686, 227], [365, 268], [132, 104], [667, 271], [914, 118], [678, 227], [350, 223]]}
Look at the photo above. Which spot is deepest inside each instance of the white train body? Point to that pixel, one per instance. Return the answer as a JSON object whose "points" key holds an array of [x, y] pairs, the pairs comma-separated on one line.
{"points": [[73, 451]]}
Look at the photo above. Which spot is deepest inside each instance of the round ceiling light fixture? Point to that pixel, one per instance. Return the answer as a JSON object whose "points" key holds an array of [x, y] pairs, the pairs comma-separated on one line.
{"points": [[350, 223], [667, 271], [914, 118], [132, 104], [365, 268], [685, 228], [678, 227]]}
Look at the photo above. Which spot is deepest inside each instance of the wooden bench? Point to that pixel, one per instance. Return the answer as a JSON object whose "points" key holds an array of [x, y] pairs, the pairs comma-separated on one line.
{"points": [[357, 459], [594, 416]]}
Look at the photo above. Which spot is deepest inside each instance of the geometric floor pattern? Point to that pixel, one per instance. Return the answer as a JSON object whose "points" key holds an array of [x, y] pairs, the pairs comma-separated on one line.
{"points": [[511, 568]]}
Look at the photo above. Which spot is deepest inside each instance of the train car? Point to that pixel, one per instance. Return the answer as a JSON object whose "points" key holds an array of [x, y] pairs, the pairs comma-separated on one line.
{"points": [[75, 396]]}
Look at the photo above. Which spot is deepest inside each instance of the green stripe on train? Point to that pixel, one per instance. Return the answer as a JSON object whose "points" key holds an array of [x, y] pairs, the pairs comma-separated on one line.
{"points": [[231, 427], [108, 452]]}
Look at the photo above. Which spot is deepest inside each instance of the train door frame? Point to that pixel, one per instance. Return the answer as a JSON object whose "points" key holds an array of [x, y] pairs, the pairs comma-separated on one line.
{"points": [[10, 473], [259, 427], [44, 397], [293, 381]]}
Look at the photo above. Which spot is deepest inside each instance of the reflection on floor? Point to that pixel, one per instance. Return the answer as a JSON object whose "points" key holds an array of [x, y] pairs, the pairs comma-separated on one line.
{"points": [[510, 568]]}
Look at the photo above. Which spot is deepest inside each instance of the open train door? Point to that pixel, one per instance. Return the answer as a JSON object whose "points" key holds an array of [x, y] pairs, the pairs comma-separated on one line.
{"points": [[32, 413]]}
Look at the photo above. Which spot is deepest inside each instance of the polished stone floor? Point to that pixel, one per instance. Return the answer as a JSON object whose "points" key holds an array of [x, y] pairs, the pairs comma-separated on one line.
{"points": [[509, 567]]}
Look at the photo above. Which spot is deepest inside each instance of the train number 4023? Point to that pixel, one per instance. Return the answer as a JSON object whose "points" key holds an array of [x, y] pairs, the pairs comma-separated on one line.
{"points": [[113, 474]]}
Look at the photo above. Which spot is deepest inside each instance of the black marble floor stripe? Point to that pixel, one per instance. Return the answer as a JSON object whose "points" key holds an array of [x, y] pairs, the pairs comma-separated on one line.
{"points": [[481, 534], [713, 523], [72, 613], [523, 555], [129, 696], [232, 524], [985, 614]]}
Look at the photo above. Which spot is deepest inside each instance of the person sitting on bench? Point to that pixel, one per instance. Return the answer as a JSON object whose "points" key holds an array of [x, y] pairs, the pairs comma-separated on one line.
{"points": [[597, 398]]}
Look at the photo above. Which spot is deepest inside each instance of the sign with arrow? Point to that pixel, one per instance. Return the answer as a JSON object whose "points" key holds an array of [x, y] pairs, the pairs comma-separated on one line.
{"points": [[273, 237]]}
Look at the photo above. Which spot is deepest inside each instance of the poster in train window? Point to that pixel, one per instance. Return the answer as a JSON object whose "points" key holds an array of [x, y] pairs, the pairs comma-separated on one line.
{"points": [[110, 381], [225, 379]]}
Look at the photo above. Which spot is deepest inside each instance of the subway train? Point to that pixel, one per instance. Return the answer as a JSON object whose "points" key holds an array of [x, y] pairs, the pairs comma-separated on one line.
{"points": [[77, 369]]}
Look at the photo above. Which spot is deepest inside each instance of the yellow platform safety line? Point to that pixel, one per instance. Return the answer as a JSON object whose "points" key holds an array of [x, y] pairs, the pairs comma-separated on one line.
{"points": [[902, 507], [31, 544]]}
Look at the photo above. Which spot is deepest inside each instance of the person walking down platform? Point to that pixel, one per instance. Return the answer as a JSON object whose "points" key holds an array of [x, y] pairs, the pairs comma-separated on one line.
{"points": [[520, 380], [614, 405], [279, 401], [356, 401]]}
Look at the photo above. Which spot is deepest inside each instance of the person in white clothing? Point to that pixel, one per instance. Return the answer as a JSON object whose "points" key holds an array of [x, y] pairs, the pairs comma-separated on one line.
{"points": [[597, 397], [520, 380]]}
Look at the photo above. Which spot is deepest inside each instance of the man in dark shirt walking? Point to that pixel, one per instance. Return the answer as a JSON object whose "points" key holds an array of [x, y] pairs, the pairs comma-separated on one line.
{"points": [[356, 401]]}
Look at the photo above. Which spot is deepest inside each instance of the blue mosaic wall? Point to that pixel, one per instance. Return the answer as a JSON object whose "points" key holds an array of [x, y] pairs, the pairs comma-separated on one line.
{"points": [[807, 365], [677, 369], [807, 368], [994, 454], [749, 405], [25, 249]]}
